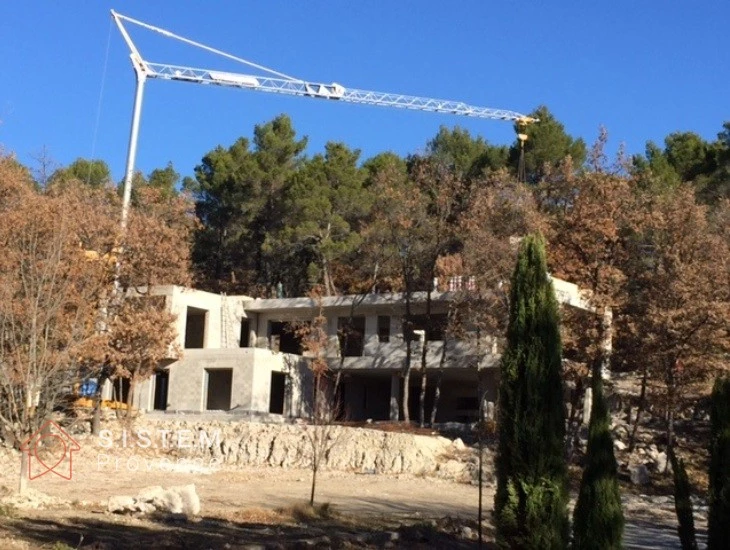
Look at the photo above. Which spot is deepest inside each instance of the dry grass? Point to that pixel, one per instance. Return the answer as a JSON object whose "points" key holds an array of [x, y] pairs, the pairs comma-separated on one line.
{"points": [[7, 510], [307, 513], [263, 516]]}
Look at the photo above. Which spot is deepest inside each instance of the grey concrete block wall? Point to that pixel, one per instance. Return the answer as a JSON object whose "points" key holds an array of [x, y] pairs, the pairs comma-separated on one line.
{"points": [[250, 385], [187, 390]]}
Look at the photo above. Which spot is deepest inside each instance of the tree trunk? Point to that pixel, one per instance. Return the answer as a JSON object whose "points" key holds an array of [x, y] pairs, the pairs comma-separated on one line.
{"points": [[437, 389], [130, 396], [436, 397], [314, 484], [639, 409], [337, 403], [408, 335], [96, 416], [328, 286], [424, 358], [574, 424], [424, 384], [480, 447], [23, 478], [671, 400], [406, 383]]}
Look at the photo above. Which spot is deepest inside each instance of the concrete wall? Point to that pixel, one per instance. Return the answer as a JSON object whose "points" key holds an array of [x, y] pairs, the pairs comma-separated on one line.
{"points": [[223, 322], [376, 354], [251, 383]]}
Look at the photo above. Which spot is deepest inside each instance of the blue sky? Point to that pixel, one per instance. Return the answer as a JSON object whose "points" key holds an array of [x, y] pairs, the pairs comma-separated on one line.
{"points": [[642, 69]]}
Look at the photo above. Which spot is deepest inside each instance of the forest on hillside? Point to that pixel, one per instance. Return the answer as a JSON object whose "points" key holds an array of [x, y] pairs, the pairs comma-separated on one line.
{"points": [[647, 238], [271, 214]]}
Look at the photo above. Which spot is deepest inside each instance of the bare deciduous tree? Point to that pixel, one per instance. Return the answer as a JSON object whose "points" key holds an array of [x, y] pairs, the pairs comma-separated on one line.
{"points": [[322, 435], [681, 297], [57, 313], [141, 335]]}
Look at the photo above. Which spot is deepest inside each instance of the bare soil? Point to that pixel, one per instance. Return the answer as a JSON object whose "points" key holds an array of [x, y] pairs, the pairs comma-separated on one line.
{"points": [[265, 508], [247, 507]]}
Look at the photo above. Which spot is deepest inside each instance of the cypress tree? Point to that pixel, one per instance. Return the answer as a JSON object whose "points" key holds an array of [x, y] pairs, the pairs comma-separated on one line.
{"points": [[531, 498], [718, 525], [598, 521], [683, 503]]}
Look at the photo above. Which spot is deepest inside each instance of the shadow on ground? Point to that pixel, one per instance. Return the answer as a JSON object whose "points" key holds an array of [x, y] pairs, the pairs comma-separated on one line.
{"points": [[643, 535], [110, 532]]}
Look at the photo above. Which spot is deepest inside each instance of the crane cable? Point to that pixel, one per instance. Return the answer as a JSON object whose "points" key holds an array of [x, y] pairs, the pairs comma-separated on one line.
{"points": [[207, 48], [521, 128], [99, 104]]}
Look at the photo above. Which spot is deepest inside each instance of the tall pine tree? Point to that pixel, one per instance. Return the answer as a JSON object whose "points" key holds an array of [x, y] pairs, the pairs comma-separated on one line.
{"points": [[598, 521], [531, 499], [718, 525]]}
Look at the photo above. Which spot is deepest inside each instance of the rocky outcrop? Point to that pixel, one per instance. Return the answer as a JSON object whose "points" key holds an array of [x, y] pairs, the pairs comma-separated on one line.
{"points": [[368, 451]]}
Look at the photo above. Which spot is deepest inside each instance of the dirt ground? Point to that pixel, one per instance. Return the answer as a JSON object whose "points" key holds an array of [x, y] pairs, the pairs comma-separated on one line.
{"points": [[263, 508], [247, 507]]}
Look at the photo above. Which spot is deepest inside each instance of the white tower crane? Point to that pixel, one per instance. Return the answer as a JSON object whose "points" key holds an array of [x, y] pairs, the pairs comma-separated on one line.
{"points": [[275, 82]]}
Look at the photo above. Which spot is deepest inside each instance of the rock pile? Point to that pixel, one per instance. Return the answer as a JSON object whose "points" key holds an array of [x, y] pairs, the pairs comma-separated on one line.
{"points": [[181, 499], [646, 458]]}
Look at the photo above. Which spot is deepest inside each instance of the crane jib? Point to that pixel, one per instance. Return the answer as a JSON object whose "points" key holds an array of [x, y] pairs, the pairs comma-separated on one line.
{"points": [[332, 91]]}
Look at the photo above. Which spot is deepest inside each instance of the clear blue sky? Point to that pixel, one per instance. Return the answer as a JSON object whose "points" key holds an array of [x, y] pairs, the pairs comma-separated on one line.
{"points": [[642, 69]]}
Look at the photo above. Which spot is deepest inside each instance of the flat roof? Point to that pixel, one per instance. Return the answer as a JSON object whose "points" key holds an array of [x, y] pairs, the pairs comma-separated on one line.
{"points": [[373, 299]]}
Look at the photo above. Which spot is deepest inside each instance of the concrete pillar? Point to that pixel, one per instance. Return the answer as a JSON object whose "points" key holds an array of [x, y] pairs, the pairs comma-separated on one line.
{"points": [[395, 397], [587, 406], [107, 390]]}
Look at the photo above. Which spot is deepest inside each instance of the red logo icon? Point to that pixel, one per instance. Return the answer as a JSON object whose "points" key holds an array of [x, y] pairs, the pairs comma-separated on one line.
{"points": [[50, 449]]}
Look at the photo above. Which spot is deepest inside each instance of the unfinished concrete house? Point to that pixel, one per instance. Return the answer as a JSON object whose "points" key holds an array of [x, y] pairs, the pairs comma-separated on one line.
{"points": [[243, 355]]}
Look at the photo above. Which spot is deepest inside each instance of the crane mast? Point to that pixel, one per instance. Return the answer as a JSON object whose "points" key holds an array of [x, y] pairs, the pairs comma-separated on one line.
{"points": [[276, 82]]}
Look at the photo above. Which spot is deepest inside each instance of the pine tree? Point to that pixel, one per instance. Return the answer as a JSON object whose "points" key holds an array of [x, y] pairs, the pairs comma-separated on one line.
{"points": [[718, 528], [598, 521], [531, 498]]}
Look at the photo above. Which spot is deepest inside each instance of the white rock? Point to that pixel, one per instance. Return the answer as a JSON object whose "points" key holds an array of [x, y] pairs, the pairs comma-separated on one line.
{"points": [[661, 463], [189, 499], [120, 504], [458, 444], [148, 494], [620, 445], [169, 501], [639, 474], [182, 499], [144, 507]]}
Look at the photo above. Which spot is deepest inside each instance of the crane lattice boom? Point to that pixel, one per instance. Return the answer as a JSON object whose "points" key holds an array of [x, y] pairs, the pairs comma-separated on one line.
{"points": [[273, 82], [332, 91], [283, 84]]}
